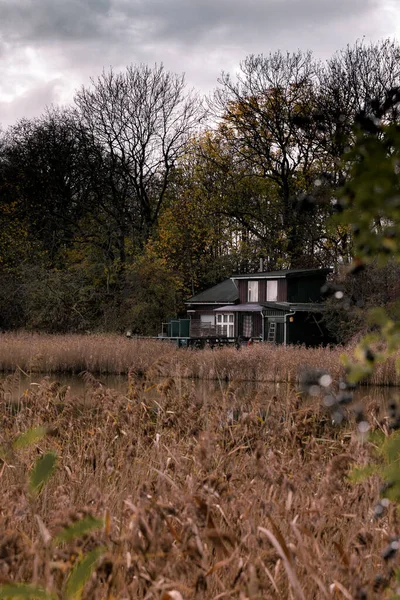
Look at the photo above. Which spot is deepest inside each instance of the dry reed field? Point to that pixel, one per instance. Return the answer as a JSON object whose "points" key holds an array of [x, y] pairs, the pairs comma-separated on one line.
{"points": [[160, 494], [112, 354]]}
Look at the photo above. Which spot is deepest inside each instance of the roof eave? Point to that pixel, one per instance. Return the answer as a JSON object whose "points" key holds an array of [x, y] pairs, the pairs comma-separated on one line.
{"points": [[209, 302], [293, 307], [284, 275], [258, 276]]}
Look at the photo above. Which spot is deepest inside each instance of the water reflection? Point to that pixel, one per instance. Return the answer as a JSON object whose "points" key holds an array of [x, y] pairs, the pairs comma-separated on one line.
{"points": [[15, 386]]}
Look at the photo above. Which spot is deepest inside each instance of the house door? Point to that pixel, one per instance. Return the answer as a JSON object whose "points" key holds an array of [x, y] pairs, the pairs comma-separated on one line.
{"points": [[247, 326]]}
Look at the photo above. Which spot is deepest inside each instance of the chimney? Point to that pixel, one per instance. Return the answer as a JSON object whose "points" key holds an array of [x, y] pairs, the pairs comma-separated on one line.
{"points": [[261, 265]]}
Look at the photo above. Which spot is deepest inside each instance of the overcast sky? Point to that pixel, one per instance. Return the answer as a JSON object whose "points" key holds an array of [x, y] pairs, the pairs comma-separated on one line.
{"points": [[49, 48]]}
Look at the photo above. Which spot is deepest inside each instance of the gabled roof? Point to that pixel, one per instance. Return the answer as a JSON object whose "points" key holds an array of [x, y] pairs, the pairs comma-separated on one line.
{"points": [[284, 274], [225, 292]]}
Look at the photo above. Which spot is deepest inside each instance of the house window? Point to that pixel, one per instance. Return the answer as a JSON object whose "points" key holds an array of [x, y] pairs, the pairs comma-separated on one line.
{"points": [[272, 290], [207, 320], [207, 324], [247, 326], [226, 324], [252, 291]]}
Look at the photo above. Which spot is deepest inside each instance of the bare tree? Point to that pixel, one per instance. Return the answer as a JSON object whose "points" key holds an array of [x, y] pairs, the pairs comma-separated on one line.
{"points": [[288, 120], [142, 118], [262, 113], [350, 86]]}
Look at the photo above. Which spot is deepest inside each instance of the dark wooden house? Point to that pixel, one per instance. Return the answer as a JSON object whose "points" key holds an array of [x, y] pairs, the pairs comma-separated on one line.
{"points": [[283, 307]]}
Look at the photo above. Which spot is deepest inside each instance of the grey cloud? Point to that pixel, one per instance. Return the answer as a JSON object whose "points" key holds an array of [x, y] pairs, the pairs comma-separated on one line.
{"points": [[41, 40], [186, 22], [236, 21], [30, 104], [27, 21]]}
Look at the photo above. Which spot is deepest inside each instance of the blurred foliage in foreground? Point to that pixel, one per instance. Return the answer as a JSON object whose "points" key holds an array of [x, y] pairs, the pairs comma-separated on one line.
{"points": [[370, 203]]}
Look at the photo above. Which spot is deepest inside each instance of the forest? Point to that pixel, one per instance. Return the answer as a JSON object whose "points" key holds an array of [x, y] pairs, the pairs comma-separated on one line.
{"points": [[116, 209]]}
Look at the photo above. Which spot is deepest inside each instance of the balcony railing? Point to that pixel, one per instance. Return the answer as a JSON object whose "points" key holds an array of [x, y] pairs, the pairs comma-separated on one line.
{"points": [[202, 329]]}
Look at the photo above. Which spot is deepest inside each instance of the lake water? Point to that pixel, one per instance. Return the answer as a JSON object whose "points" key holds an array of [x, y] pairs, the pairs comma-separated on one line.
{"points": [[16, 386]]}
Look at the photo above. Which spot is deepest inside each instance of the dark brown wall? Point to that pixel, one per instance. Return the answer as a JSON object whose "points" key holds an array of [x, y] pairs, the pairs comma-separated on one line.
{"points": [[262, 290], [242, 283], [257, 324], [282, 290], [305, 289]]}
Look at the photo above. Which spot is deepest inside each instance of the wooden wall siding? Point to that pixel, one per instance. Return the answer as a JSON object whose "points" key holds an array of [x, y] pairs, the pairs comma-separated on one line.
{"points": [[262, 290], [282, 290], [280, 332], [257, 324], [239, 324], [242, 291], [305, 289], [275, 314]]}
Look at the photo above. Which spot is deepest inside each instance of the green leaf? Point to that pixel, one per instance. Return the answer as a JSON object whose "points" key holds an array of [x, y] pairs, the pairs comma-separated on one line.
{"points": [[377, 316], [392, 474], [358, 372], [42, 471], [81, 573], [79, 528], [3, 453], [378, 439], [30, 437], [22, 590], [360, 474], [391, 448]]}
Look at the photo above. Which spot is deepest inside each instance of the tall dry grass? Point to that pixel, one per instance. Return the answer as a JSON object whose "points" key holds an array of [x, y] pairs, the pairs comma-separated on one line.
{"points": [[208, 499], [116, 355]]}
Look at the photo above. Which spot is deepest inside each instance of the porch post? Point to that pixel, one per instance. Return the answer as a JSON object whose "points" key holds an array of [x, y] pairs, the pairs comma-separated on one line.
{"points": [[291, 314], [284, 329]]}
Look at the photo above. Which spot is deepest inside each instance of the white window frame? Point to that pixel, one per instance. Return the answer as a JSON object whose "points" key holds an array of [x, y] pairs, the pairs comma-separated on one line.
{"points": [[226, 324], [272, 290], [252, 291]]}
